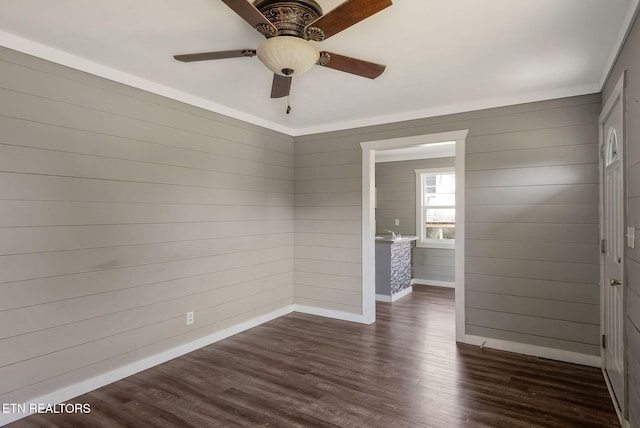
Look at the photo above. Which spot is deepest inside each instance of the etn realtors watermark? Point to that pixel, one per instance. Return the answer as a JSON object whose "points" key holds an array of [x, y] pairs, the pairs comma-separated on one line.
{"points": [[29, 408]]}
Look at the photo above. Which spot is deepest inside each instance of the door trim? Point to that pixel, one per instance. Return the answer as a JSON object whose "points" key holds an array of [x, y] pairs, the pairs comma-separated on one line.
{"points": [[368, 218], [617, 95]]}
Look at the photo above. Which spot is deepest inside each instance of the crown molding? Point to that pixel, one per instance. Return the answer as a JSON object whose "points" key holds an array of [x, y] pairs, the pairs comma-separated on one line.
{"points": [[627, 23], [67, 59], [573, 91]]}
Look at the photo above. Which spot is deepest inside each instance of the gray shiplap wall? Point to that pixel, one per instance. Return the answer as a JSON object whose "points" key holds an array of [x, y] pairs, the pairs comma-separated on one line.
{"points": [[327, 268], [396, 185], [629, 60], [119, 212], [532, 228], [532, 225]]}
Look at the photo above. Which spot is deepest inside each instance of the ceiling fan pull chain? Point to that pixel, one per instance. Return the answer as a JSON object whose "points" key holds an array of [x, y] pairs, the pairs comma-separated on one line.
{"points": [[288, 104]]}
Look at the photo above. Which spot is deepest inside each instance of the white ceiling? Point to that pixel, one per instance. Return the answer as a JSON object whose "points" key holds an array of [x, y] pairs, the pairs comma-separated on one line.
{"points": [[442, 56]]}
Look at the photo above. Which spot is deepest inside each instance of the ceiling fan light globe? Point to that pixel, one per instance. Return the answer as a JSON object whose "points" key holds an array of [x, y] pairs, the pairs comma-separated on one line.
{"points": [[287, 53]]}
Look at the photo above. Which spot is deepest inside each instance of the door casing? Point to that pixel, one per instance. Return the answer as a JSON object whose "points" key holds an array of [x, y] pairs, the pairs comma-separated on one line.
{"points": [[615, 100]]}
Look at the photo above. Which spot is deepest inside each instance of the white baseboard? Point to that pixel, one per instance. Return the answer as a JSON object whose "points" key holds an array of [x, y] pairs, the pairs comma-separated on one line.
{"points": [[401, 294], [330, 313], [67, 393], [534, 350], [383, 298], [394, 296], [447, 284]]}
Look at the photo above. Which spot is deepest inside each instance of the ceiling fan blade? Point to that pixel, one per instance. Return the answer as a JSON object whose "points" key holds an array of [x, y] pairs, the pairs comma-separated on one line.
{"points": [[281, 86], [206, 56], [347, 64], [253, 16], [347, 14]]}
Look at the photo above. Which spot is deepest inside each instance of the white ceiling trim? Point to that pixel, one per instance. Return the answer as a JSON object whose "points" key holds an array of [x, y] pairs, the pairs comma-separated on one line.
{"points": [[455, 108], [632, 12], [67, 59], [70, 60]]}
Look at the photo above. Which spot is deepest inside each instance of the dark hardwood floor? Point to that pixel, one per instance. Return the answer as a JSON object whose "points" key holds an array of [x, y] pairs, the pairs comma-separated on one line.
{"points": [[301, 370]]}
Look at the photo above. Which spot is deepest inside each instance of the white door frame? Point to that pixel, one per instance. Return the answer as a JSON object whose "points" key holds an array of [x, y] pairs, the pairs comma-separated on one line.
{"points": [[368, 218], [617, 96]]}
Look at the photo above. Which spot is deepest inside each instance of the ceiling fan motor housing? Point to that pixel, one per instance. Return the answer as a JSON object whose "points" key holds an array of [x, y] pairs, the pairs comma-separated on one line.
{"points": [[289, 17]]}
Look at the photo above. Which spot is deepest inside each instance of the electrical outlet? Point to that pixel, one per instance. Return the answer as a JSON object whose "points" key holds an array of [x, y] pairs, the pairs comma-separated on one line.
{"points": [[397, 222], [189, 318]]}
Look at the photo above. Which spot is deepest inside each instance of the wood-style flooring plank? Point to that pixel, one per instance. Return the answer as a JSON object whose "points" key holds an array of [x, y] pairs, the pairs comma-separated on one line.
{"points": [[406, 370]]}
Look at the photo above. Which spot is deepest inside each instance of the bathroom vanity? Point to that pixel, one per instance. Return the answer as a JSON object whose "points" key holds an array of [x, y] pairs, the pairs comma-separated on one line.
{"points": [[393, 266]]}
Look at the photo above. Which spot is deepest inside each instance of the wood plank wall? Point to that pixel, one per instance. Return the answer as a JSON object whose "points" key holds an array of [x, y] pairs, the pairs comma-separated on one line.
{"points": [[532, 218], [120, 211], [396, 184], [327, 268], [532, 232], [629, 60]]}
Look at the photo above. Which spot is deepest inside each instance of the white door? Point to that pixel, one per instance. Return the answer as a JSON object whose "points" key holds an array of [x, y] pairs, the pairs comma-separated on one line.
{"points": [[613, 246]]}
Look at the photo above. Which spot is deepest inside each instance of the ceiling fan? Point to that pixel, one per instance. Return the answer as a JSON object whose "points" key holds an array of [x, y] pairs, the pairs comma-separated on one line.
{"points": [[289, 27]]}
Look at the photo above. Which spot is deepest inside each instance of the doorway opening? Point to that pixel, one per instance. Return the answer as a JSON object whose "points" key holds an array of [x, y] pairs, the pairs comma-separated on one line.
{"points": [[369, 150]]}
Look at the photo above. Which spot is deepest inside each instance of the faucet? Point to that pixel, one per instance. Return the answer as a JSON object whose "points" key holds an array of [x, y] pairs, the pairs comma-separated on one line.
{"points": [[393, 234]]}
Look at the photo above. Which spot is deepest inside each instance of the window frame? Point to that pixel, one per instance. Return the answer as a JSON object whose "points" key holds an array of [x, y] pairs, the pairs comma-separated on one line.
{"points": [[422, 241]]}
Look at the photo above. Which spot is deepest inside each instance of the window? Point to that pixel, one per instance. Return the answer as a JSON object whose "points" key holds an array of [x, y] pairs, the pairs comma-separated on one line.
{"points": [[436, 207]]}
